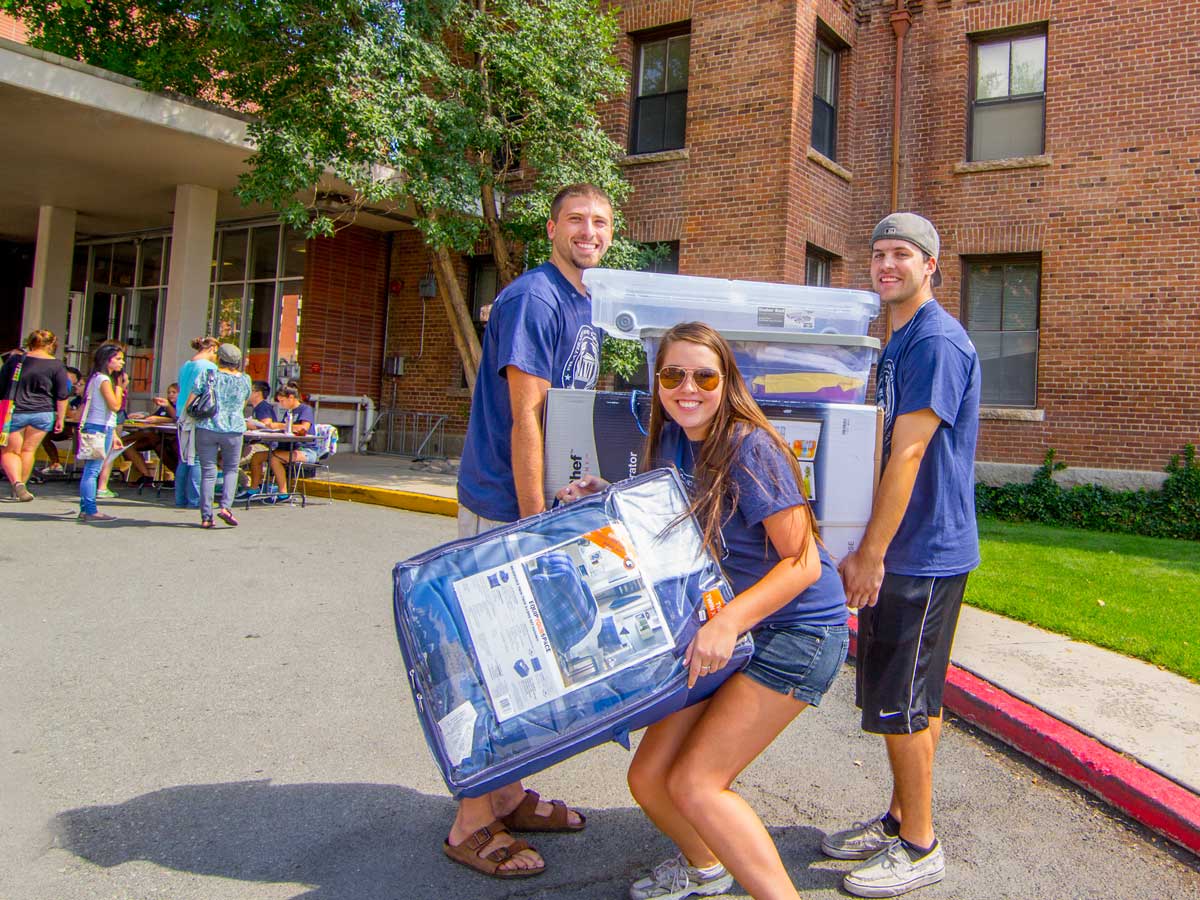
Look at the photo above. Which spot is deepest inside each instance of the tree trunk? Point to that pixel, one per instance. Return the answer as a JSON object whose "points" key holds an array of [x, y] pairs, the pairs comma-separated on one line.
{"points": [[507, 268], [457, 314]]}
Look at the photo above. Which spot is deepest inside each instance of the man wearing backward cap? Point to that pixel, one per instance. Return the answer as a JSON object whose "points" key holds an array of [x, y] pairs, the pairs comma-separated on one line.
{"points": [[909, 573]]}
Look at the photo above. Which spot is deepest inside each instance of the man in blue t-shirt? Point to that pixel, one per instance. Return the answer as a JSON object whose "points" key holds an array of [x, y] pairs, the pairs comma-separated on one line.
{"points": [[539, 335], [908, 575]]}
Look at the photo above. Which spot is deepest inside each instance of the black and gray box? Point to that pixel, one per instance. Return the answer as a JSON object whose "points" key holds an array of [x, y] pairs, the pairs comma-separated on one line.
{"points": [[593, 433]]}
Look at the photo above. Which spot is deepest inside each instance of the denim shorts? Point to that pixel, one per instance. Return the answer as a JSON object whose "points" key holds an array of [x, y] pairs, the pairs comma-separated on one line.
{"points": [[42, 421], [798, 660]]}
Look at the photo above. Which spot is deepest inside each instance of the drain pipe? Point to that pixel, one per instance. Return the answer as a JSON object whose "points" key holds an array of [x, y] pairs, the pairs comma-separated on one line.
{"points": [[901, 19]]}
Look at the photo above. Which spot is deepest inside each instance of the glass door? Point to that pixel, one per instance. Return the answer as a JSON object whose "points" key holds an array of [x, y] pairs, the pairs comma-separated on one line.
{"points": [[139, 327], [102, 322]]}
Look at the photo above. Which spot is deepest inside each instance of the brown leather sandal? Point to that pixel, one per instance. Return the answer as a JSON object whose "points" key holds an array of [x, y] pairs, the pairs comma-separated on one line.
{"points": [[467, 853], [525, 817]]}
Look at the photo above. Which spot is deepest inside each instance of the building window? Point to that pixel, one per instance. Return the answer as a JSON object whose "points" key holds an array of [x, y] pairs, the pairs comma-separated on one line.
{"points": [[118, 293], [1008, 97], [818, 267], [484, 289], [662, 257], [825, 90], [257, 297], [660, 110], [1000, 305]]}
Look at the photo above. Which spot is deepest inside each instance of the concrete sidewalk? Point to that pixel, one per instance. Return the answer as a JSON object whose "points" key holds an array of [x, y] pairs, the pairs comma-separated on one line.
{"points": [[1121, 728]]}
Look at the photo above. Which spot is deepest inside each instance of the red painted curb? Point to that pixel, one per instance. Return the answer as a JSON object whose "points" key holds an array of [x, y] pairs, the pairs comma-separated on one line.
{"points": [[1145, 796]]}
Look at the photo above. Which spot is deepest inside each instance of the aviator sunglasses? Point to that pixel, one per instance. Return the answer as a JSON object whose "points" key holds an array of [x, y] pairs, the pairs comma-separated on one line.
{"points": [[672, 377]]}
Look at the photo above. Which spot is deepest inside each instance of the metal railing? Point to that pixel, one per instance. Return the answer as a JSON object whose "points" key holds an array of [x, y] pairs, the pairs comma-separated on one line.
{"points": [[420, 435]]}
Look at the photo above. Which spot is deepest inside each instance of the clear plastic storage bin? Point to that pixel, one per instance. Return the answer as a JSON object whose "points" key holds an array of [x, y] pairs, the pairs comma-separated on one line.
{"points": [[626, 303], [825, 368]]}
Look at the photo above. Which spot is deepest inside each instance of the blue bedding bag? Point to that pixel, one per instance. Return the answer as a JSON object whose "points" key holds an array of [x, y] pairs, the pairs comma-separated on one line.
{"points": [[537, 640]]}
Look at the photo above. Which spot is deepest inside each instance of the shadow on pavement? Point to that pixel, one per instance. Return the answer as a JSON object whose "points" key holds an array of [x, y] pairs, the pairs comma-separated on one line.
{"points": [[367, 842], [71, 518]]}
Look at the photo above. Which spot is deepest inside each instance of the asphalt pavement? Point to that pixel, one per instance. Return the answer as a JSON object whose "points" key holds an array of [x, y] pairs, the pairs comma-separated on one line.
{"points": [[223, 714]]}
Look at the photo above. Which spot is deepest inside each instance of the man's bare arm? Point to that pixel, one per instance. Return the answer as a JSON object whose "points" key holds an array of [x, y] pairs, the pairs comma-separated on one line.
{"points": [[862, 570], [527, 395]]}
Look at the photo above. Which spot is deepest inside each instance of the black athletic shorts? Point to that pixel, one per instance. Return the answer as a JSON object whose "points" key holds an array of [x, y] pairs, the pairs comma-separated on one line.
{"points": [[904, 645]]}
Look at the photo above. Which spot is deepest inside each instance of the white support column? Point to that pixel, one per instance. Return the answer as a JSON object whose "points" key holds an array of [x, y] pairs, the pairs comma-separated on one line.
{"points": [[48, 302], [191, 271]]}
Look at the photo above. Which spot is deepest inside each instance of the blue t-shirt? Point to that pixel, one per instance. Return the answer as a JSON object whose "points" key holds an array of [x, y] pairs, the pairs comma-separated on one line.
{"points": [[263, 412], [189, 375], [543, 326], [930, 363], [302, 413], [765, 486]]}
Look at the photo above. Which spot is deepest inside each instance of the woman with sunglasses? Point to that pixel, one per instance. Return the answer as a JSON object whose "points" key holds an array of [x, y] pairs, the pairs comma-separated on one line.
{"points": [[746, 495]]}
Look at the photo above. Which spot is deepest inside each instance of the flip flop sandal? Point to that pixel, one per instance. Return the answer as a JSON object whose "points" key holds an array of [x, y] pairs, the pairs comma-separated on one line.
{"points": [[525, 817], [206, 523], [467, 854], [227, 517]]}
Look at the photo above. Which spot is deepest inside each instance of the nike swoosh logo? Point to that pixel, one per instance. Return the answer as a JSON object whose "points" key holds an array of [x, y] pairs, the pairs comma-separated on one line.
{"points": [[884, 715]]}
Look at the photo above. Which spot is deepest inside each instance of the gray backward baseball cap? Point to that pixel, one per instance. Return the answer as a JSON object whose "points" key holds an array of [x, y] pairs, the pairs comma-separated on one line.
{"points": [[917, 230]]}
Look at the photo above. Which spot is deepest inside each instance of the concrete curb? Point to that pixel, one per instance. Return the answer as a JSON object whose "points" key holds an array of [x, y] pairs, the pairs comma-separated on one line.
{"points": [[1142, 794], [410, 500]]}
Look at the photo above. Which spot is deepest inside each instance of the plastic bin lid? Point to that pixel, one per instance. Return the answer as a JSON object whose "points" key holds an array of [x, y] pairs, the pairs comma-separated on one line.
{"points": [[636, 300], [784, 337]]}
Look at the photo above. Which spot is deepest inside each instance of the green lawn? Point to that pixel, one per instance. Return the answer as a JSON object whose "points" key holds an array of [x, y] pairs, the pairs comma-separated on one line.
{"points": [[1136, 595]]}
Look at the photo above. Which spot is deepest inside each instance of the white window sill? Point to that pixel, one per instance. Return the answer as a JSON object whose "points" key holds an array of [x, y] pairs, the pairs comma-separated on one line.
{"points": [[999, 165], [826, 163], [1011, 414], [641, 159]]}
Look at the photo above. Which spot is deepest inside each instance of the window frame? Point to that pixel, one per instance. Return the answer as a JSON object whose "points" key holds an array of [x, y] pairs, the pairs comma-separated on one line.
{"points": [[824, 39], [1003, 259], [669, 264], [824, 258], [477, 265], [641, 40], [976, 41]]}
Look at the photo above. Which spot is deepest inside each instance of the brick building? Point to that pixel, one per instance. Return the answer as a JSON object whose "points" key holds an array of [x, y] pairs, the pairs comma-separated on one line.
{"points": [[1055, 143]]}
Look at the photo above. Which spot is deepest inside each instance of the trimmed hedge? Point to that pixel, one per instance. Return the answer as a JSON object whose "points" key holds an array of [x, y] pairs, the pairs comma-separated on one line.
{"points": [[1172, 512]]}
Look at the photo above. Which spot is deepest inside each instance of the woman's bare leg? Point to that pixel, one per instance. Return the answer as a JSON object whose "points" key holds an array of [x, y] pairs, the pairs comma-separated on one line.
{"points": [[741, 720], [648, 772]]}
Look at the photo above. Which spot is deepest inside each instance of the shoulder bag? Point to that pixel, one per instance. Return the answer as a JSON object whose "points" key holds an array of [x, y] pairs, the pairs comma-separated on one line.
{"points": [[9, 403], [91, 443], [203, 404]]}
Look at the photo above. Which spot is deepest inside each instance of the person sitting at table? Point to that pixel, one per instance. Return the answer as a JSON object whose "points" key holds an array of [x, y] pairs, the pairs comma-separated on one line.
{"points": [[163, 444], [297, 419], [261, 415], [70, 425], [261, 418], [262, 410], [164, 408]]}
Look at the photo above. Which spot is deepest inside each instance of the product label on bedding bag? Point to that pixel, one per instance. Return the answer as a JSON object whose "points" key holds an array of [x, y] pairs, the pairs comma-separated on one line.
{"points": [[560, 619], [713, 602], [458, 732]]}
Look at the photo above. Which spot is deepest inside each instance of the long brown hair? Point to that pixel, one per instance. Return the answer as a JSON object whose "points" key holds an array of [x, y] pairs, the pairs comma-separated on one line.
{"points": [[715, 496]]}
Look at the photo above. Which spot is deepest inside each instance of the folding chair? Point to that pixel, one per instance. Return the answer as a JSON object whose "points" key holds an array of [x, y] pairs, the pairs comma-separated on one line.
{"points": [[326, 446]]}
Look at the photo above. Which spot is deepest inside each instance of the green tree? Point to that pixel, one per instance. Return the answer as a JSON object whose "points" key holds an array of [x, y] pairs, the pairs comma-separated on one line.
{"points": [[465, 115]]}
